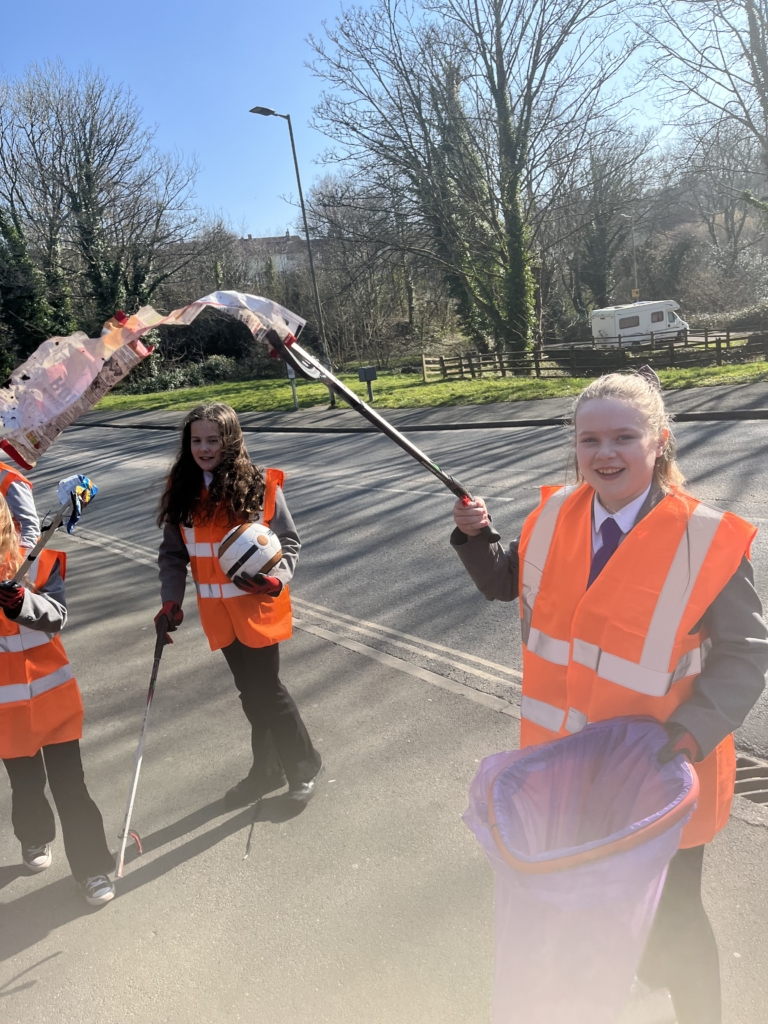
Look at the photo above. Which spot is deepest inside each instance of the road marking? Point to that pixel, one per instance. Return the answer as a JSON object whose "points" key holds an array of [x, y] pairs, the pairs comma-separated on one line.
{"points": [[478, 696], [470, 670], [409, 636], [146, 556], [135, 552]]}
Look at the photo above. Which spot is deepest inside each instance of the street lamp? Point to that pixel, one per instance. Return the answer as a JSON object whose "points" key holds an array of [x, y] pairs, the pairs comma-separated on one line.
{"points": [[631, 219], [268, 112]]}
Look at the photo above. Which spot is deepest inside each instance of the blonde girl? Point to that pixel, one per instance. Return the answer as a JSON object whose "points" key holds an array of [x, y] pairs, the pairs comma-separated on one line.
{"points": [[41, 719], [637, 599]]}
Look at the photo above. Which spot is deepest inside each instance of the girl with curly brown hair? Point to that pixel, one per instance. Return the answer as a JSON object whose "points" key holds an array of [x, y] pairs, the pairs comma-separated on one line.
{"points": [[213, 486]]}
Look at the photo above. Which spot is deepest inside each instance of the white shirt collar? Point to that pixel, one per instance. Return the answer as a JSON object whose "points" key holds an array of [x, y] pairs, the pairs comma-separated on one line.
{"points": [[625, 517]]}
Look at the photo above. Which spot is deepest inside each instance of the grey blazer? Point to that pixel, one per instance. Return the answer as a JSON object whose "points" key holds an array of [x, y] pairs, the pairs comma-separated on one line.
{"points": [[734, 672]]}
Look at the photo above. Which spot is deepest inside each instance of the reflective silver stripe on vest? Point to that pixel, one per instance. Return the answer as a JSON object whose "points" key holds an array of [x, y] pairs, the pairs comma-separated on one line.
{"points": [[26, 691], [537, 551], [3, 475], [32, 572], [575, 720], [652, 676], [219, 590], [195, 549], [678, 586], [198, 549], [546, 647], [630, 674], [24, 640], [540, 713]]}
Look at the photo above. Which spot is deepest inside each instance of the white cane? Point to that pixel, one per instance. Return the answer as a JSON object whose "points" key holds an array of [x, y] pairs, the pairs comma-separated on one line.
{"points": [[125, 833]]}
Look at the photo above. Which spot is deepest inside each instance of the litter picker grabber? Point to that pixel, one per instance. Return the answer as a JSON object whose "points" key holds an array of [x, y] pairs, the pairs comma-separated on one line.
{"points": [[284, 345], [73, 493], [125, 832]]}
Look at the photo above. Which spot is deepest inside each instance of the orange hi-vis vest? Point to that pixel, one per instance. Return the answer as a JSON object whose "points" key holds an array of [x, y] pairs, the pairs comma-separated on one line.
{"points": [[8, 476], [227, 613], [633, 643], [40, 701]]}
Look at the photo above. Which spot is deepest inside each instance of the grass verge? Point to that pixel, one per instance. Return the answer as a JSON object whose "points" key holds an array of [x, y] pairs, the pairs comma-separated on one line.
{"points": [[401, 391]]}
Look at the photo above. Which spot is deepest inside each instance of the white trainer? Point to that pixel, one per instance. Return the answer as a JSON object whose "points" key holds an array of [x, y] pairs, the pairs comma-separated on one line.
{"points": [[98, 890], [37, 858]]}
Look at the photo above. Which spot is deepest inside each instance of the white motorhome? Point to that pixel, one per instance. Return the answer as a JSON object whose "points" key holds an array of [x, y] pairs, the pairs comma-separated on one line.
{"points": [[637, 322]]}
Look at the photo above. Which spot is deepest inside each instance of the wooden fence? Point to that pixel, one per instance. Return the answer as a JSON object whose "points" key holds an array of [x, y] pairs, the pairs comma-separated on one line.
{"points": [[585, 361]]}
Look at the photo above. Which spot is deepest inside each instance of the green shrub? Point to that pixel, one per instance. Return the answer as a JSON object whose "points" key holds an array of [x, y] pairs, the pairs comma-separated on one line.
{"points": [[153, 376]]}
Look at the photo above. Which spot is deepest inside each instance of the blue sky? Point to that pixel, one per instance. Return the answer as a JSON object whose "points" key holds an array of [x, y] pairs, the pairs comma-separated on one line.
{"points": [[195, 69]]}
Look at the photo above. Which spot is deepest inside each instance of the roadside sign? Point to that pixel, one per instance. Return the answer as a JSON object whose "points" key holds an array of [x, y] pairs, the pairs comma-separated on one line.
{"points": [[635, 293], [290, 370]]}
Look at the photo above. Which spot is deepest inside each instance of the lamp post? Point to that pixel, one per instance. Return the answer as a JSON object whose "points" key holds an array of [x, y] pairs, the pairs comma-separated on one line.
{"points": [[631, 219], [268, 112]]}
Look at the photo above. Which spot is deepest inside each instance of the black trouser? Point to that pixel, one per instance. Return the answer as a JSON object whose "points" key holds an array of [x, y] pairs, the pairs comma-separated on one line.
{"points": [[681, 953], [33, 823], [278, 735]]}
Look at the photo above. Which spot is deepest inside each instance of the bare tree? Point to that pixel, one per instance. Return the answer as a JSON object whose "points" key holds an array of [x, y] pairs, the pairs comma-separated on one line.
{"points": [[462, 104], [711, 56], [104, 216], [717, 163]]}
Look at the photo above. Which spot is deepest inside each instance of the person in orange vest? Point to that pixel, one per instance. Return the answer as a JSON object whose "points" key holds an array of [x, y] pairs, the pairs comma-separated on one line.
{"points": [[212, 487], [41, 718], [17, 491], [637, 599]]}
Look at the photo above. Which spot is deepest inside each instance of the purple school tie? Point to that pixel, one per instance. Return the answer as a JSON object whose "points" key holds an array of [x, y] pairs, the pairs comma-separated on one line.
{"points": [[611, 534]]}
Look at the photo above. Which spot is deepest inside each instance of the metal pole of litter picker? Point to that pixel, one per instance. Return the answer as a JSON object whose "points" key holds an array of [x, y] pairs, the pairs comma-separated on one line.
{"points": [[56, 522], [162, 626]]}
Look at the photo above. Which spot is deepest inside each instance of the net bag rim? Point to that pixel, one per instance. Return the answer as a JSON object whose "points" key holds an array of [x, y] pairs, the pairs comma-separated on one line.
{"points": [[625, 839]]}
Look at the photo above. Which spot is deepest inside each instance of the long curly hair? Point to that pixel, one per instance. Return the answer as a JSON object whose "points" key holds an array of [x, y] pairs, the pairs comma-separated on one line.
{"points": [[236, 493]]}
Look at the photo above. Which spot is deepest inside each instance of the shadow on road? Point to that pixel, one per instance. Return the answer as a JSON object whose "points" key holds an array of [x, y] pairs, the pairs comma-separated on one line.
{"points": [[29, 919], [10, 872], [5, 990], [277, 809]]}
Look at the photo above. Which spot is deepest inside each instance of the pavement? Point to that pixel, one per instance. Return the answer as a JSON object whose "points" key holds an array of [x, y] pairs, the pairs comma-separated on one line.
{"points": [[376, 903], [739, 401]]}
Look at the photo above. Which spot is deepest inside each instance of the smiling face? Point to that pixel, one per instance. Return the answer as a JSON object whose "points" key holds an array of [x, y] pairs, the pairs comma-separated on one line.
{"points": [[615, 450], [205, 444]]}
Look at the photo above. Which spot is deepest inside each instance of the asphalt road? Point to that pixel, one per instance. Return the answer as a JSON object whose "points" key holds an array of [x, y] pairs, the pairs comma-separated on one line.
{"points": [[375, 905], [374, 524]]}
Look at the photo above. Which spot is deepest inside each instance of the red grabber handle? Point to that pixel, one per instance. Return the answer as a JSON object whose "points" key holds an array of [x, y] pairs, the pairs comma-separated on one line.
{"points": [[487, 531]]}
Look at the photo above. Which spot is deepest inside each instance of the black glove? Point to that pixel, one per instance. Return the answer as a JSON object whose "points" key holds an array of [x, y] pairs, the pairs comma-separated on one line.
{"points": [[680, 742], [259, 584], [173, 616], [11, 598]]}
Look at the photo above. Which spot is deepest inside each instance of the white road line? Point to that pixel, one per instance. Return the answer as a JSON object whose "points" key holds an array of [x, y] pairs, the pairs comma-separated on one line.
{"points": [[486, 699], [470, 670], [135, 552], [409, 636], [146, 556]]}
